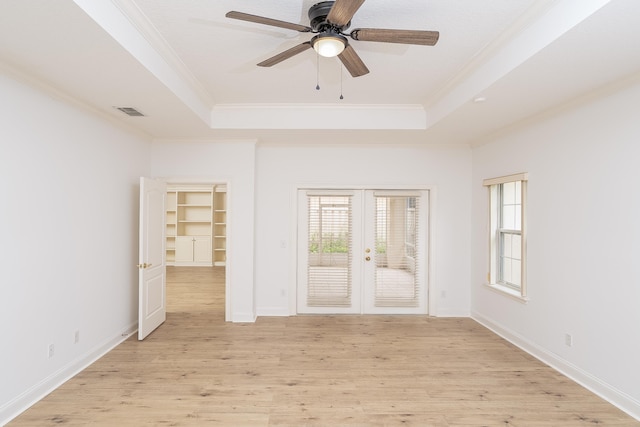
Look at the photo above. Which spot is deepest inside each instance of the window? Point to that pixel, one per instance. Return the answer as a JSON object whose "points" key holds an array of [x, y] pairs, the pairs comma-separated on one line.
{"points": [[507, 239], [329, 267], [396, 266], [410, 238]]}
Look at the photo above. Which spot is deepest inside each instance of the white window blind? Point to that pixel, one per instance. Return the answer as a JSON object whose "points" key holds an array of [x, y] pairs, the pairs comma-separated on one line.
{"points": [[396, 237], [329, 268]]}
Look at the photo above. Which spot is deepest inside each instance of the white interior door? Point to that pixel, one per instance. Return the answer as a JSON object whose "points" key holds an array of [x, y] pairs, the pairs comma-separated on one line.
{"points": [[151, 263], [362, 251]]}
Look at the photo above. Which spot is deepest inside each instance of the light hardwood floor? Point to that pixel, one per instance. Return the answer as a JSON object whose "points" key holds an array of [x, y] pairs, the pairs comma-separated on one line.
{"points": [[197, 370]]}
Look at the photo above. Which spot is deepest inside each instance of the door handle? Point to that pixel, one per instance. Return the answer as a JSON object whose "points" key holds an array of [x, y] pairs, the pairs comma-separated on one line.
{"points": [[144, 265], [368, 258]]}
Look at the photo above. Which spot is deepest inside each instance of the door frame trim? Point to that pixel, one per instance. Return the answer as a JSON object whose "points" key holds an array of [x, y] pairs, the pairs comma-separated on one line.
{"points": [[431, 287]]}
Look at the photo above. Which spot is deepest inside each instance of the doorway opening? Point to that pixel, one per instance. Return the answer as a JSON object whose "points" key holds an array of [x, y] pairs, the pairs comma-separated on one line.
{"points": [[195, 245]]}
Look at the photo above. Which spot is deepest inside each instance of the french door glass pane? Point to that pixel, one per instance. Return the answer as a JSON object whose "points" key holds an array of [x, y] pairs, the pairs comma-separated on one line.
{"points": [[329, 268], [396, 231]]}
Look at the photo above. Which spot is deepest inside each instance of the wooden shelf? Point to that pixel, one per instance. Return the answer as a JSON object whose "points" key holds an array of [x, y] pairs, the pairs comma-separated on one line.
{"points": [[196, 225]]}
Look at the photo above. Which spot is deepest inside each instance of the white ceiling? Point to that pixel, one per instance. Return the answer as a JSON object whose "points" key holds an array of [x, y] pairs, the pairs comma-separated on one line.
{"points": [[192, 71]]}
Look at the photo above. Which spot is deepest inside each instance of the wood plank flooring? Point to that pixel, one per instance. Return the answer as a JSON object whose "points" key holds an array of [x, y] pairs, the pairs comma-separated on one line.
{"points": [[197, 370]]}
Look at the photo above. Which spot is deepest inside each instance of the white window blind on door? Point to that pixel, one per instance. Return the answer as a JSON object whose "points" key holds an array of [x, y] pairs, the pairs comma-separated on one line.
{"points": [[396, 250], [329, 267]]}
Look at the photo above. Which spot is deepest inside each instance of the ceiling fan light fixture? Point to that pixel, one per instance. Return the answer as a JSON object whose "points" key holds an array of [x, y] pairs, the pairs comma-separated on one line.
{"points": [[329, 44]]}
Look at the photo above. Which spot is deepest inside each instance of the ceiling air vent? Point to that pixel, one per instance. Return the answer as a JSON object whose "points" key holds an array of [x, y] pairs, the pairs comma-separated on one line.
{"points": [[130, 111]]}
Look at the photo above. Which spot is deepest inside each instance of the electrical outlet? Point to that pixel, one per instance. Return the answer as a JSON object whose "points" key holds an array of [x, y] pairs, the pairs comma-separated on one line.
{"points": [[77, 337], [568, 340], [51, 350]]}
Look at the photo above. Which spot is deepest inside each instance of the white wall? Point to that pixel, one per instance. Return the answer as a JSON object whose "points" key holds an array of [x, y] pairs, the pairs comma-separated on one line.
{"points": [[69, 188], [583, 242], [267, 175], [280, 169], [221, 162]]}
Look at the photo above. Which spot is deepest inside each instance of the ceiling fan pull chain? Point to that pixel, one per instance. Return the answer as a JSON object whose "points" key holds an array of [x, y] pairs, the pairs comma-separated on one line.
{"points": [[341, 97], [317, 71]]}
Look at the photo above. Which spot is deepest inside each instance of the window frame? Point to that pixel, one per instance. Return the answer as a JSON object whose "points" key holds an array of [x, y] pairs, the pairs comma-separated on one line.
{"points": [[496, 232]]}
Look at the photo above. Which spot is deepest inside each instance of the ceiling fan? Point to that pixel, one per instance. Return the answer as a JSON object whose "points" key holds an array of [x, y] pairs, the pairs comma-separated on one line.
{"points": [[330, 20]]}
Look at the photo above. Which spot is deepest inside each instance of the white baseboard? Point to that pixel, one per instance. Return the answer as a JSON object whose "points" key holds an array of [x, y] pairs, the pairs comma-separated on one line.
{"points": [[21, 403], [243, 318], [284, 312], [612, 395], [273, 312], [444, 312]]}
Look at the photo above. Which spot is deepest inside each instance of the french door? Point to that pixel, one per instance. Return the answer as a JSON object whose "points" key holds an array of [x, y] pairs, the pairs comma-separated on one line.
{"points": [[362, 251]]}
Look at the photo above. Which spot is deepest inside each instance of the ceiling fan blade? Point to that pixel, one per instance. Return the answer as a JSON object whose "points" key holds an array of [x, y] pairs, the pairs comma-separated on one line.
{"points": [[342, 11], [285, 55], [352, 62], [267, 21], [426, 38]]}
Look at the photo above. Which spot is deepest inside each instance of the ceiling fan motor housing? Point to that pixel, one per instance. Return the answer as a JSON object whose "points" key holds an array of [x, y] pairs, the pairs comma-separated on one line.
{"points": [[318, 18]]}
